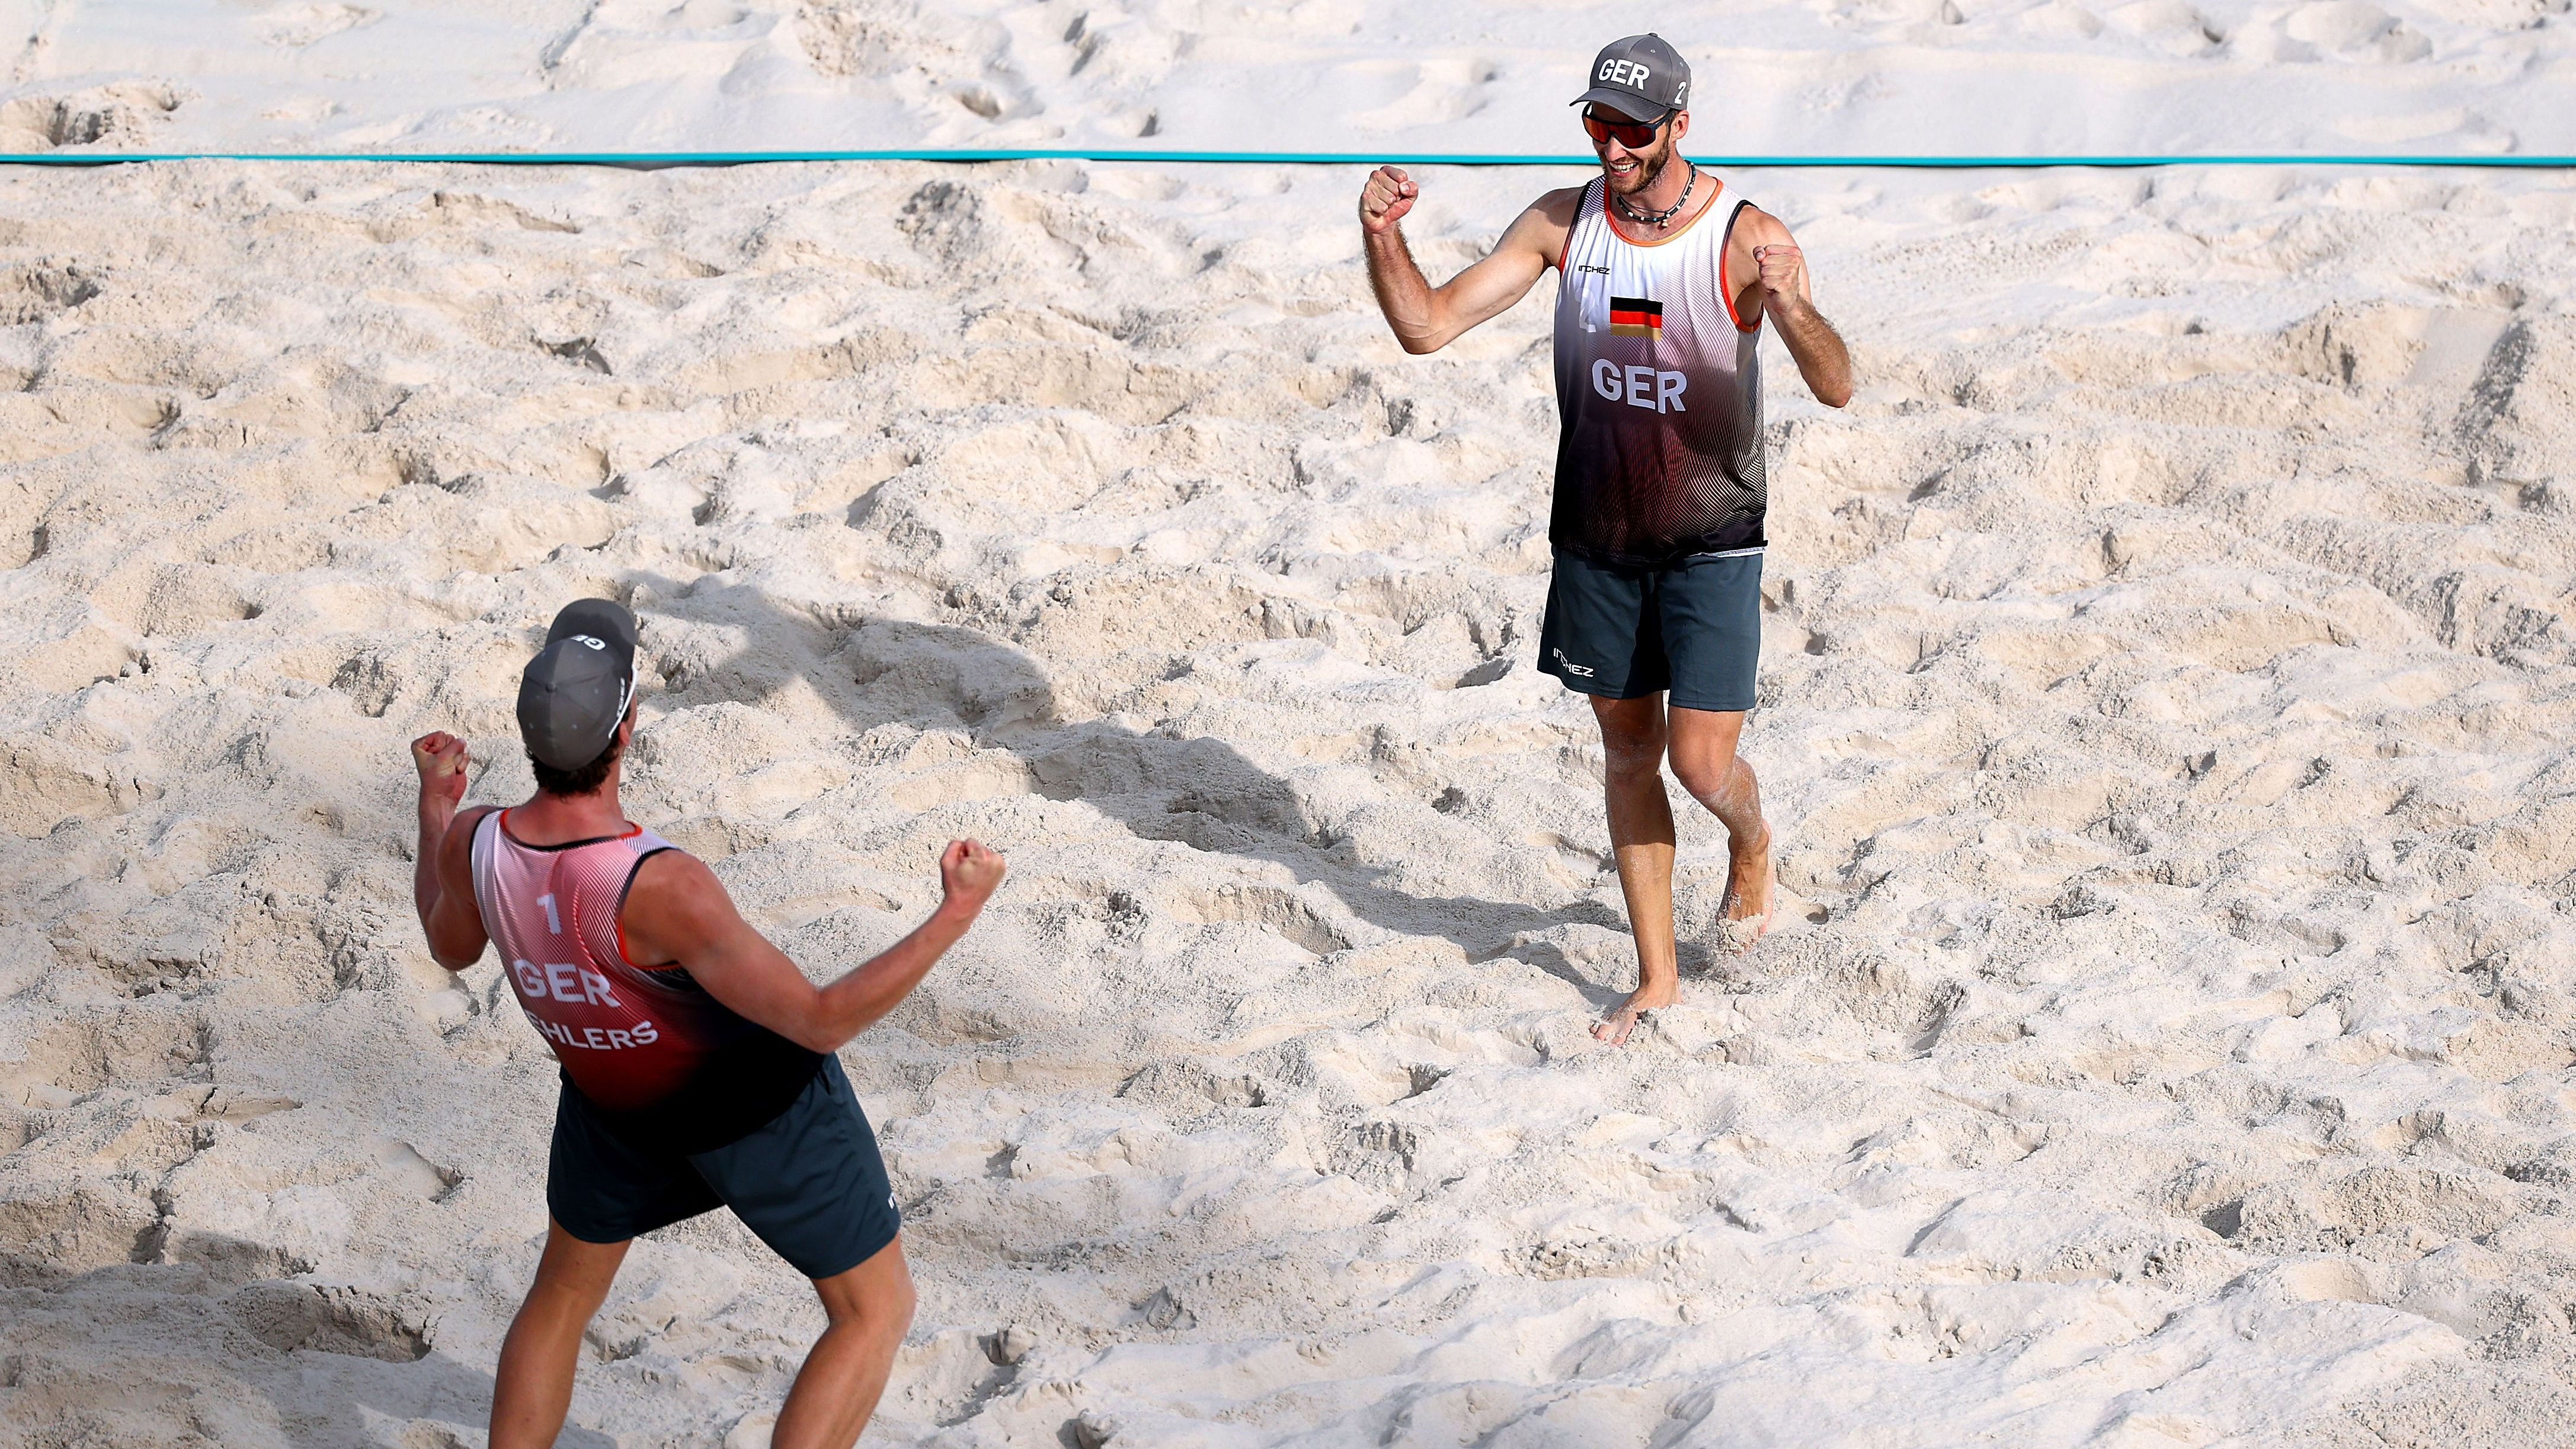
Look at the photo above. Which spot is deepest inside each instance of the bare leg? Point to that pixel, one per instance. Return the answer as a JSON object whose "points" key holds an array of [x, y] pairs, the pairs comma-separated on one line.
{"points": [[1706, 764], [1641, 840], [532, 1387], [837, 1389]]}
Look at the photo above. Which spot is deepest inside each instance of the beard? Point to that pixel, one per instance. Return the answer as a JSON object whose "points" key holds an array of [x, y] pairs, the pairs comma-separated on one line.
{"points": [[1650, 169]]}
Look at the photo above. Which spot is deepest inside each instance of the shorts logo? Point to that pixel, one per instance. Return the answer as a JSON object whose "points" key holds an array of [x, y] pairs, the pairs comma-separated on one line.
{"points": [[1570, 666], [1640, 387]]}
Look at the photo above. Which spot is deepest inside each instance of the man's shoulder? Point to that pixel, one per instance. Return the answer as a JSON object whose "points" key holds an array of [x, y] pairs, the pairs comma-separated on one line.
{"points": [[1757, 227], [1544, 223], [671, 879], [675, 904], [1561, 204], [459, 839], [662, 861]]}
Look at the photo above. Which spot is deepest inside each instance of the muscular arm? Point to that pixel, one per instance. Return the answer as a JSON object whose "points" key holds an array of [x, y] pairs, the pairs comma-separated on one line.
{"points": [[442, 870], [676, 910], [1427, 318], [1762, 247]]}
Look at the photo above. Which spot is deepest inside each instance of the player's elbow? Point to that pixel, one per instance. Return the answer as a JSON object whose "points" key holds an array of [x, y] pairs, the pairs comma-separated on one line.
{"points": [[1425, 334], [818, 1027], [451, 948], [816, 1037], [1828, 383]]}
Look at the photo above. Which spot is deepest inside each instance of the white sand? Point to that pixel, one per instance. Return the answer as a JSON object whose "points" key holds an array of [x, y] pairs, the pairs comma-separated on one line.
{"points": [[2166, 714], [1801, 77]]}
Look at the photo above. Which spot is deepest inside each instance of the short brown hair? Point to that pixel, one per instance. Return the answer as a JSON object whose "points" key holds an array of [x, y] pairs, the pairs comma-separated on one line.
{"points": [[583, 781]]}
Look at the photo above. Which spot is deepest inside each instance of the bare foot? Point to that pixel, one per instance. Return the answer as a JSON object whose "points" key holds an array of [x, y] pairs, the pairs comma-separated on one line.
{"points": [[1748, 894], [1638, 1010]]}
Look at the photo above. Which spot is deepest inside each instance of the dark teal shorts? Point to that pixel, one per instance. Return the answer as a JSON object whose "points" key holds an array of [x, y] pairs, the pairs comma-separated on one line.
{"points": [[1693, 628], [810, 1183]]}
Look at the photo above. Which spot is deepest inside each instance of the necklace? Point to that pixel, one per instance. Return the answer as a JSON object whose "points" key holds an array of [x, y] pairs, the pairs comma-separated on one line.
{"points": [[1663, 218]]}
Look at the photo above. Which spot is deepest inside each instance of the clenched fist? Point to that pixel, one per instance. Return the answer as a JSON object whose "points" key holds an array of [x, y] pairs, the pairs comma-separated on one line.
{"points": [[968, 872], [441, 760], [1784, 271], [1385, 200]]}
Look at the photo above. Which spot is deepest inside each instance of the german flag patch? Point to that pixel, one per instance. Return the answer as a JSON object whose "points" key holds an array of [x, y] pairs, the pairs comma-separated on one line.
{"points": [[1636, 317]]}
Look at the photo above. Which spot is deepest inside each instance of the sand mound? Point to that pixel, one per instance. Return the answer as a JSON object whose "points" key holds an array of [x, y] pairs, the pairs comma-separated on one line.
{"points": [[2169, 682]]}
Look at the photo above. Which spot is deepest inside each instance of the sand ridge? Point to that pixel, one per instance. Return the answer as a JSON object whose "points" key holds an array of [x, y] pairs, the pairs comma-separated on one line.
{"points": [[2165, 709]]}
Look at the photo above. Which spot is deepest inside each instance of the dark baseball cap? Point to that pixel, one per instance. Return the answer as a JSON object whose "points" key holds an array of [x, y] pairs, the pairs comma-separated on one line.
{"points": [[1640, 77], [573, 695]]}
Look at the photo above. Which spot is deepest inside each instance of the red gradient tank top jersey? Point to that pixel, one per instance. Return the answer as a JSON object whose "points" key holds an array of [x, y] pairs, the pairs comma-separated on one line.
{"points": [[1658, 393], [648, 1046]]}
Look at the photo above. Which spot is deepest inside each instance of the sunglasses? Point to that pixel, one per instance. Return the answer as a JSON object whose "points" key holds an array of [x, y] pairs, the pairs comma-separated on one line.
{"points": [[1634, 135]]}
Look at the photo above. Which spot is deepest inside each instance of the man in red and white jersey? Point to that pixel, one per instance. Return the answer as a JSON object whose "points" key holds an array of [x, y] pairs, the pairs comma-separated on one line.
{"points": [[698, 1066], [1665, 277]]}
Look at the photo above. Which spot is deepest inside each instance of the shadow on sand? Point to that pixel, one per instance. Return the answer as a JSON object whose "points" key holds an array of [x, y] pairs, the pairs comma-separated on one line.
{"points": [[268, 1360], [1200, 792]]}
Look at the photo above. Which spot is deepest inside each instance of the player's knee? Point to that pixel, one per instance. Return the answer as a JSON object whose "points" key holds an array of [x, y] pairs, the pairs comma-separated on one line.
{"points": [[877, 1295], [1631, 738], [886, 1314], [1704, 778], [1630, 754], [550, 1313], [899, 1312]]}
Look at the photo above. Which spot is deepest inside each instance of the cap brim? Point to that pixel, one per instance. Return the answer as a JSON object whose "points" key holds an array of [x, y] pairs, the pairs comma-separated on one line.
{"points": [[1624, 102], [600, 619]]}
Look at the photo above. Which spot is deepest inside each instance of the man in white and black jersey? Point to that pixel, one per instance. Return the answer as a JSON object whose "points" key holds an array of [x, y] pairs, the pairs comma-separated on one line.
{"points": [[1665, 277]]}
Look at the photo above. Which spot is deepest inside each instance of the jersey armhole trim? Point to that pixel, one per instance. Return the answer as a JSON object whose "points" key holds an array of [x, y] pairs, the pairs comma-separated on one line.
{"points": [[1726, 284], [617, 922], [477, 854], [1567, 250]]}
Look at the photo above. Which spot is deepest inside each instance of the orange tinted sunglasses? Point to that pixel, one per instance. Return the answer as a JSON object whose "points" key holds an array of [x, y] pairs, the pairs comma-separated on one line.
{"points": [[1634, 135]]}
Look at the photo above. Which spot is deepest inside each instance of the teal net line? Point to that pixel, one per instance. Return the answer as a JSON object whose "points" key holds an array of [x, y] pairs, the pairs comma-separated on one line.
{"points": [[649, 159]]}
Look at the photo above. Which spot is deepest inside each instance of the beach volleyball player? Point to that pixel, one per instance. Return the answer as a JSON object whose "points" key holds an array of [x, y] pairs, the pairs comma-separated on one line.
{"points": [[1666, 277], [698, 1065]]}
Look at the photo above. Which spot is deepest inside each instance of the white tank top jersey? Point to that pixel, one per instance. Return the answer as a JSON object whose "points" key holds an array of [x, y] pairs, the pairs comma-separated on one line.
{"points": [[1658, 392]]}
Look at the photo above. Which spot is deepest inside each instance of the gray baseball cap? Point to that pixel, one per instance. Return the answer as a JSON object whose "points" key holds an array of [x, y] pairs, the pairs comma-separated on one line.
{"points": [[573, 695], [1640, 77]]}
